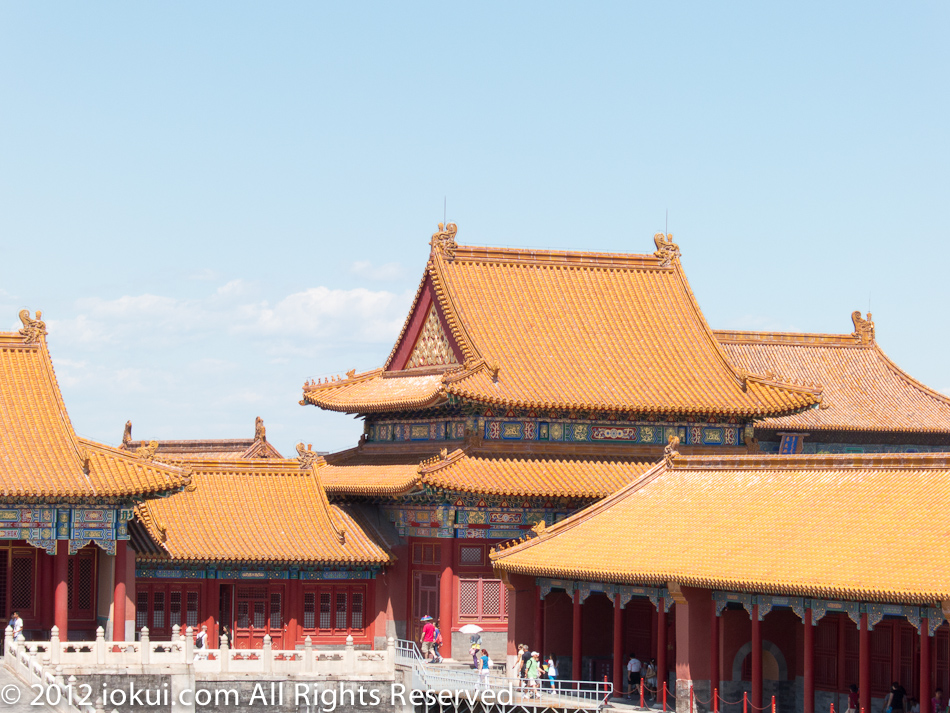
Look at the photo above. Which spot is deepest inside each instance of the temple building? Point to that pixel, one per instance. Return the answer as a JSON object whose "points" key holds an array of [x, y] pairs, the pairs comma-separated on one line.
{"points": [[525, 385], [529, 384], [64, 559], [794, 576], [868, 406]]}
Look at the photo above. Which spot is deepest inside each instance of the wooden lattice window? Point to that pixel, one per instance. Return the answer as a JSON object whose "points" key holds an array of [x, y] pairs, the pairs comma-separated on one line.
{"points": [[309, 610], [81, 585], [3, 583], [191, 611], [275, 618], [158, 610], [335, 609], [21, 583], [427, 554], [471, 555], [141, 610], [482, 599]]}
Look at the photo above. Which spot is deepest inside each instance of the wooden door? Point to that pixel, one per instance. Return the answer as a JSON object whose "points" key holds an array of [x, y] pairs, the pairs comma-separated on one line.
{"points": [[258, 612], [425, 600], [250, 617]]}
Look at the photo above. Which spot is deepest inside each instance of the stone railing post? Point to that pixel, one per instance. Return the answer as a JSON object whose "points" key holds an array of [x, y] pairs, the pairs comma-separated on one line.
{"points": [[7, 640], [349, 656], [55, 650], [267, 654], [390, 654], [189, 645], [308, 655], [145, 645], [224, 653], [100, 646], [176, 636]]}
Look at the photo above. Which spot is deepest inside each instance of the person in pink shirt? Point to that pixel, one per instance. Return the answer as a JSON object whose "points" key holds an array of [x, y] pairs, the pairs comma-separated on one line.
{"points": [[428, 637]]}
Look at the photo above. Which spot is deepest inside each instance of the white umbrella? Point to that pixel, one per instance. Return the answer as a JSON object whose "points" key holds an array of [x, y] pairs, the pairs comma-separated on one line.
{"points": [[470, 629]]}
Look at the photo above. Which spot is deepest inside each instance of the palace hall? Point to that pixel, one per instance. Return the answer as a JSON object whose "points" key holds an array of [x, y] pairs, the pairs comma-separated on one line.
{"points": [[559, 449]]}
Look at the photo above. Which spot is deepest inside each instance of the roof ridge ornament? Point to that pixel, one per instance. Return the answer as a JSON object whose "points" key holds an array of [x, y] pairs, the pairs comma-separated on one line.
{"points": [[127, 435], [670, 452], [260, 433], [863, 328], [147, 452], [307, 456], [33, 329], [666, 250], [444, 239]]}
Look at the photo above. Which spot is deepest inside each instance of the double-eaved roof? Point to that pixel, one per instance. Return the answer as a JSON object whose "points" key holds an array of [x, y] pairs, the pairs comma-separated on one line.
{"points": [[544, 329], [863, 390], [852, 527], [384, 471], [40, 454]]}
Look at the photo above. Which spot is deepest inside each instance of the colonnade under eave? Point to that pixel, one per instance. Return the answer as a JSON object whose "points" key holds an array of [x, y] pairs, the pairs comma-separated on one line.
{"points": [[805, 652], [74, 588]]}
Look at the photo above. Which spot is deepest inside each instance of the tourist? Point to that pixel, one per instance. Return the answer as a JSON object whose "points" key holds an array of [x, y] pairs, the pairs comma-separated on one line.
{"points": [[523, 663], [201, 643], [484, 668], [428, 637], [552, 671], [937, 704], [532, 673], [894, 701], [16, 623], [853, 699], [913, 705], [652, 679], [437, 644], [634, 667]]}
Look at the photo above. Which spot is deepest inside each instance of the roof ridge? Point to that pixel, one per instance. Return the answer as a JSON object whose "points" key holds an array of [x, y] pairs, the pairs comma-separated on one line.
{"points": [[804, 339], [817, 461], [904, 375], [558, 258], [443, 460], [442, 290]]}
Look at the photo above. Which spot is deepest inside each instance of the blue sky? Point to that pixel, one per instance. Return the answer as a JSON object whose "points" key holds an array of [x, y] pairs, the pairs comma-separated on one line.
{"points": [[213, 202]]}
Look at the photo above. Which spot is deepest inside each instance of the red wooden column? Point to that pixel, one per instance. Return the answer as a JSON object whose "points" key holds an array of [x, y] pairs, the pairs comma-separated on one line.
{"points": [[864, 665], [118, 594], [539, 626], [714, 674], [446, 582], [756, 657], [576, 638], [618, 644], [809, 664], [661, 673], [61, 592], [212, 597], [925, 673], [294, 601]]}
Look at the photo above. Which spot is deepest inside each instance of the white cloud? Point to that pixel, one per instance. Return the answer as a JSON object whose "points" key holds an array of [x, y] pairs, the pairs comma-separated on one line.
{"points": [[300, 321], [388, 271]]}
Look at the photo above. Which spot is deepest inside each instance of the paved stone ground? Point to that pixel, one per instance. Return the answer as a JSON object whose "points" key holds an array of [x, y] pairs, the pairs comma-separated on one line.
{"points": [[9, 685]]}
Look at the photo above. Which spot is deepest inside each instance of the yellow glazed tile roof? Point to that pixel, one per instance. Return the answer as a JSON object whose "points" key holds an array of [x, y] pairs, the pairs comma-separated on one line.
{"points": [[376, 391], [40, 454], [392, 471], [826, 526], [574, 331], [262, 510], [373, 471], [574, 476], [863, 389]]}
